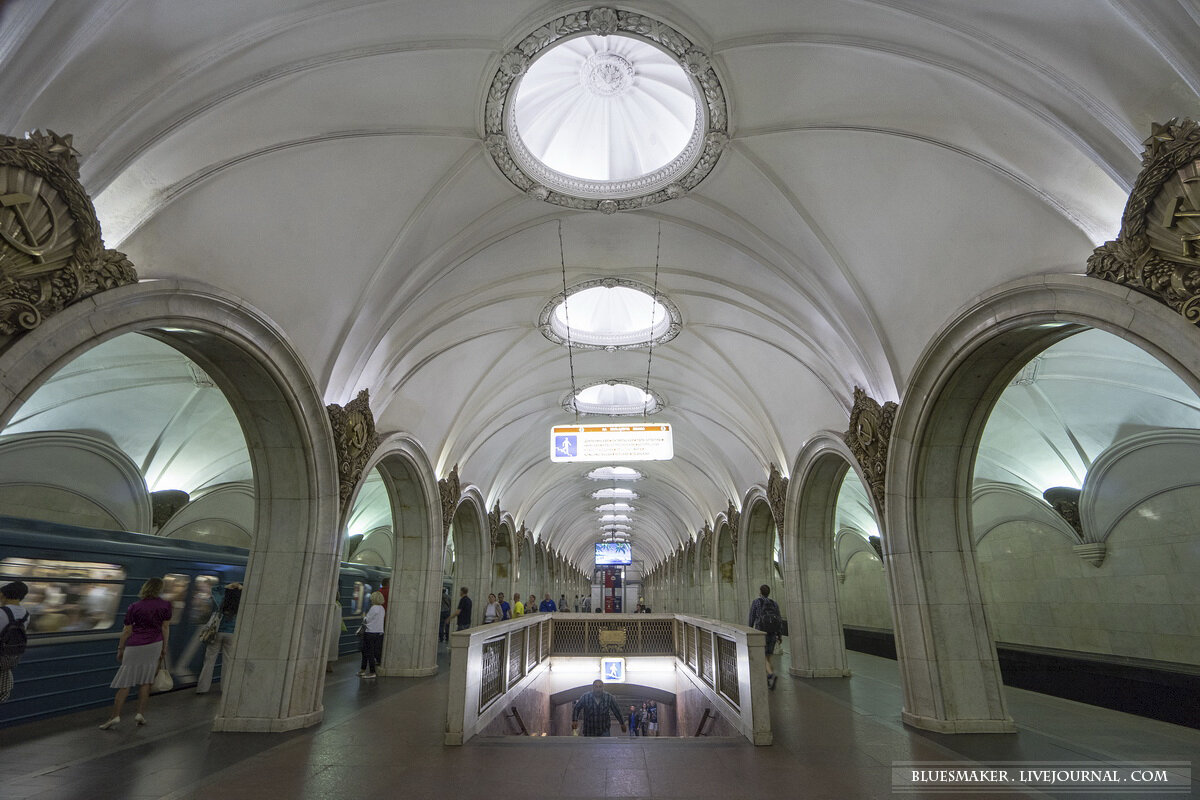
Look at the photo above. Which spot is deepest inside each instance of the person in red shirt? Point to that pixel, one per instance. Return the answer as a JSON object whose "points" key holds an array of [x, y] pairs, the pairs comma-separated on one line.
{"points": [[385, 586]]}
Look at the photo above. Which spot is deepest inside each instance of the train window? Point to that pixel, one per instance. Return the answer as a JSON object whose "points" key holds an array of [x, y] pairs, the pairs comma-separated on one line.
{"points": [[201, 608], [67, 596], [357, 601], [175, 586]]}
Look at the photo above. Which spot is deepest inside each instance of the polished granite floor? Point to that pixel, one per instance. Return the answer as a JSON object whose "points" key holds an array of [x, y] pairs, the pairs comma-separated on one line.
{"points": [[382, 739]]}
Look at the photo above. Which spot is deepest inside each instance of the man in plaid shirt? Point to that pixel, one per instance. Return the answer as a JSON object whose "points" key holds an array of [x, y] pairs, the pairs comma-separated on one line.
{"points": [[594, 707]]}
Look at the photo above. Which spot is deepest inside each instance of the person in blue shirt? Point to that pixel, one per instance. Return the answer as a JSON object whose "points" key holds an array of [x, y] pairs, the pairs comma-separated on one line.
{"points": [[547, 605]]}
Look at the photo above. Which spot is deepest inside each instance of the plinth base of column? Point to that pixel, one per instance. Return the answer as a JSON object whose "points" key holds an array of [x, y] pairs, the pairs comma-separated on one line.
{"points": [[409, 672], [1005, 725], [819, 673], [267, 725]]}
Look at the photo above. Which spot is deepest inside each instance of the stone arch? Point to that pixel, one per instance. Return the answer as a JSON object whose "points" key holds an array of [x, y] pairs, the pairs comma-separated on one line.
{"points": [[688, 575], [277, 684], [469, 526], [818, 646], [950, 676], [503, 566], [410, 646], [757, 555], [725, 554], [704, 573], [525, 571]]}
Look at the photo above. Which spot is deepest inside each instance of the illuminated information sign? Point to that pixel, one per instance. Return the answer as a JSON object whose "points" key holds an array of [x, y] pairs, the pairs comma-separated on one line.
{"points": [[611, 443]]}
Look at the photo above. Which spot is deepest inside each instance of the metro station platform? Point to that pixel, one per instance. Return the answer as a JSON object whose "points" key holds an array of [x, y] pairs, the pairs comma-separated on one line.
{"points": [[835, 739]]}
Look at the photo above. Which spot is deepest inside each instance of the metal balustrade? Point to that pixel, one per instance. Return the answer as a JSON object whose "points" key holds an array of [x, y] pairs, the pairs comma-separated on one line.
{"points": [[492, 665]]}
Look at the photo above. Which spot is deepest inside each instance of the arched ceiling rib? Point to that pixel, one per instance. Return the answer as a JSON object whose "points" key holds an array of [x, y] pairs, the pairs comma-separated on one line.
{"points": [[888, 161]]}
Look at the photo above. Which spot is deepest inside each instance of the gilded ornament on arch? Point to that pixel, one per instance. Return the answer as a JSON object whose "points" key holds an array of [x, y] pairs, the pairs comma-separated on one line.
{"points": [[777, 487], [51, 250], [734, 517], [867, 437], [355, 439], [449, 491], [1157, 251]]}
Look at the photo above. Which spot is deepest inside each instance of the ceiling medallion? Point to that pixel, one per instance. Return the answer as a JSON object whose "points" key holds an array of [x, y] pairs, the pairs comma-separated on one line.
{"points": [[608, 76]]}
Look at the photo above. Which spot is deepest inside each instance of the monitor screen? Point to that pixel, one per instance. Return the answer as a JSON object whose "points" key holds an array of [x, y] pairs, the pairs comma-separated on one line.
{"points": [[613, 553]]}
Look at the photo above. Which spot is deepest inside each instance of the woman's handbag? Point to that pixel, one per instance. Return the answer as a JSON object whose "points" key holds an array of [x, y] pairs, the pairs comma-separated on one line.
{"points": [[163, 682], [208, 633]]}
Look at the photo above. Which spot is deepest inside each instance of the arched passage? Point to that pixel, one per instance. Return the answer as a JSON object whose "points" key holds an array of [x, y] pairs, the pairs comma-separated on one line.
{"points": [[410, 643], [727, 596], [468, 525], [276, 684], [818, 645], [759, 553], [948, 663]]}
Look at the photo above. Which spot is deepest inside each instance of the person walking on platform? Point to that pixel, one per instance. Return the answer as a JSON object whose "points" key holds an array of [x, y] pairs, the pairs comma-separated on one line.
{"points": [[226, 600], [532, 606], [518, 608], [765, 616], [547, 606], [141, 648], [595, 708], [505, 608], [372, 640]]}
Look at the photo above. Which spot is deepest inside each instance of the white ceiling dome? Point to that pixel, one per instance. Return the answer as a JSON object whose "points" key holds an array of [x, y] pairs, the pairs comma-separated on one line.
{"points": [[605, 108]]}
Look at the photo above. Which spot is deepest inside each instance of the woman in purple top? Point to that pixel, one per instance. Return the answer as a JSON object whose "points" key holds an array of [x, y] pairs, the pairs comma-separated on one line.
{"points": [[142, 647]]}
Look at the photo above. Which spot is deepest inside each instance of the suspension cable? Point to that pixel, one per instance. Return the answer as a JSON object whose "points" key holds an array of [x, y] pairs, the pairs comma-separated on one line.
{"points": [[653, 313], [562, 259]]}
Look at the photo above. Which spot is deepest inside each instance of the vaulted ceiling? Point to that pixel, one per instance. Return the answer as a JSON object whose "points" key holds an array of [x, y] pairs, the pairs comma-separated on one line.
{"points": [[888, 160]]}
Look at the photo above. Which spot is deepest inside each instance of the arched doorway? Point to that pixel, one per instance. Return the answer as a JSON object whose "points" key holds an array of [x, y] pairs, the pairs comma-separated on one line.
{"points": [[290, 445]]}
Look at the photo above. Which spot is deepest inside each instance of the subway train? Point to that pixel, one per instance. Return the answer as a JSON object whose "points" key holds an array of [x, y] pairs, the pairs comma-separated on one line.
{"points": [[81, 581]]}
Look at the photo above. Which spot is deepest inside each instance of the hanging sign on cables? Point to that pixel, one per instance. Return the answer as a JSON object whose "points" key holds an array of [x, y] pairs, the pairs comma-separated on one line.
{"points": [[611, 443]]}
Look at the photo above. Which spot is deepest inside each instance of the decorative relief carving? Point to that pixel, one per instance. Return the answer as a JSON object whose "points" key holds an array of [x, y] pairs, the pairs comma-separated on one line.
{"points": [[51, 250], [868, 436], [495, 529], [450, 491], [777, 486], [355, 439], [530, 176], [1158, 249], [735, 522], [521, 534]]}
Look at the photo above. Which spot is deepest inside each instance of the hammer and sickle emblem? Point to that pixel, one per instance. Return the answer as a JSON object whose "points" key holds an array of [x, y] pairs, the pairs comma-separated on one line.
{"points": [[31, 246]]}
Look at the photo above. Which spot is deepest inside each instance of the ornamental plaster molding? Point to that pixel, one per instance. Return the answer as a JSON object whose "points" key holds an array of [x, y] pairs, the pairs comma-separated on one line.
{"points": [[52, 253], [734, 518], [673, 180], [1157, 251], [496, 527], [450, 492], [355, 440], [867, 437], [777, 486]]}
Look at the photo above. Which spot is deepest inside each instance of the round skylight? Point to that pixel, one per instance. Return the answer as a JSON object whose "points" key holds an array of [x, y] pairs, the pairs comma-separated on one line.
{"points": [[605, 109], [614, 399], [615, 474], [612, 314]]}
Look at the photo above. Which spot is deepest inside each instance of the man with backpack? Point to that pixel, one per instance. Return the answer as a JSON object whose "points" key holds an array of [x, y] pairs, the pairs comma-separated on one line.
{"points": [[12, 632], [765, 616]]}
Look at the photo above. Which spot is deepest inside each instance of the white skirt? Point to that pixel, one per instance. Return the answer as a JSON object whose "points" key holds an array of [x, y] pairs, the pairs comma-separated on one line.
{"points": [[138, 666]]}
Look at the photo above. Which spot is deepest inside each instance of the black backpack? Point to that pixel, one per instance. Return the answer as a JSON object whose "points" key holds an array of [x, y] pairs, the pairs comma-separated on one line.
{"points": [[769, 620], [12, 640]]}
